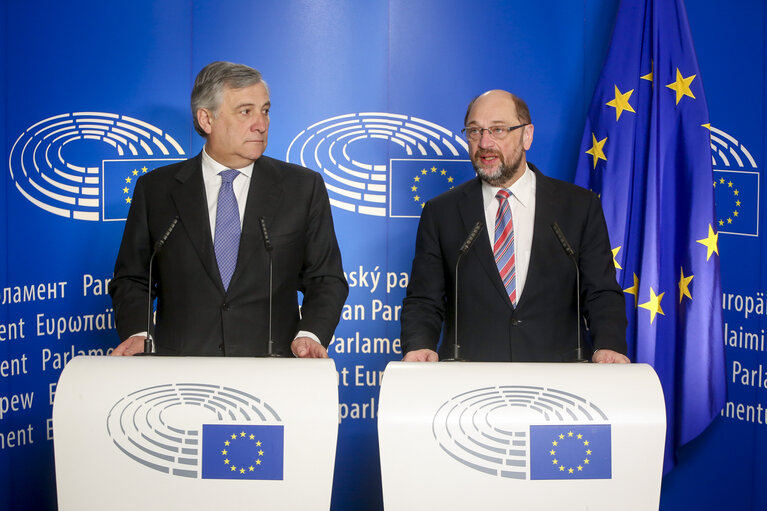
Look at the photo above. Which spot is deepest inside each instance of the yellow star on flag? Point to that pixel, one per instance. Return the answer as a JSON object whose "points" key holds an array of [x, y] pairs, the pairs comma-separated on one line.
{"points": [[634, 290], [621, 102], [681, 86], [653, 305], [615, 257], [596, 149], [684, 286], [711, 242], [648, 76]]}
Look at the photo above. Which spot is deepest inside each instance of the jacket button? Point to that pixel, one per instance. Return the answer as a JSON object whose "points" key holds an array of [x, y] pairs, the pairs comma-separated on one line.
{"points": [[221, 347], [226, 307], [515, 322]]}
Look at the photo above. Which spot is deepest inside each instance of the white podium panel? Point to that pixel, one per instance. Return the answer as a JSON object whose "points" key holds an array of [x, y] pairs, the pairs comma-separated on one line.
{"points": [[195, 433], [507, 436]]}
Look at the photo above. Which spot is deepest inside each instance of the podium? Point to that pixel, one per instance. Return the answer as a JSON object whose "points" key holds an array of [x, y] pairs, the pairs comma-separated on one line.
{"points": [[521, 436], [195, 433]]}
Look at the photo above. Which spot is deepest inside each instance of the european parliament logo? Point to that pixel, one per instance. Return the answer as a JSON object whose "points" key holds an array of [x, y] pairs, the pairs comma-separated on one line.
{"points": [[382, 164], [736, 185], [526, 432], [199, 431], [242, 452], [83, 165]]}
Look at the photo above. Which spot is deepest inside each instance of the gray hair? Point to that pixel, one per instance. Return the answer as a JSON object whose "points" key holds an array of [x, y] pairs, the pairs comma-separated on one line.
{"points": [[211, 81]]}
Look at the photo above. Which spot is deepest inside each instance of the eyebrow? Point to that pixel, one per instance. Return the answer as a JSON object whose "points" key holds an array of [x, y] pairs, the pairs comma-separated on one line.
{"points": [[492, 123], [241, 105]]}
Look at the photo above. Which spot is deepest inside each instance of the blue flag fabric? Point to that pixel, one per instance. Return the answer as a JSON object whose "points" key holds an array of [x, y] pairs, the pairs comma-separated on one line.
{"points": [[646, 151], [237, 451]]}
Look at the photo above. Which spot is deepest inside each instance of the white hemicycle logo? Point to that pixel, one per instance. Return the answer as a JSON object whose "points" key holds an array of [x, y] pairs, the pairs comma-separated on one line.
{"points": [[58, 164], [369, 160]]}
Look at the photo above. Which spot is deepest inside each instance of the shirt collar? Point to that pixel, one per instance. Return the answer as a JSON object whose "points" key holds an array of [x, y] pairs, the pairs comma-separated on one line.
{"points": [[522, 189], [211, 168]]}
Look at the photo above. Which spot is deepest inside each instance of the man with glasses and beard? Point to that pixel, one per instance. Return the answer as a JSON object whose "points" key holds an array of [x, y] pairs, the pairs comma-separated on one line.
{"points": [[517, 284]]}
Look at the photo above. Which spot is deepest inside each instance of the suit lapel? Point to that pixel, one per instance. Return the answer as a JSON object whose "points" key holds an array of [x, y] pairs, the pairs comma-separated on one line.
{"points": [[545, 208], [191, 204], [471, 208], [265, 194]]}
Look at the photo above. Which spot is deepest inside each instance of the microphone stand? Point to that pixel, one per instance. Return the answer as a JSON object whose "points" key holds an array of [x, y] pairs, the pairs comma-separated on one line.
{"points": [[571, 255], [149, 323], [461, 252], [268, 246]]}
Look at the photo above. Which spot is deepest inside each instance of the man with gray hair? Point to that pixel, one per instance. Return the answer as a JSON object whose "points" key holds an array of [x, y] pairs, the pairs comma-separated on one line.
{"points": [[236, 210]]}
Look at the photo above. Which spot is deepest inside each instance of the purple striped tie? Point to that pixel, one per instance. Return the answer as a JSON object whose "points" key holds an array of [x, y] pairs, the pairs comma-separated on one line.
{"points": [[503, 248]]}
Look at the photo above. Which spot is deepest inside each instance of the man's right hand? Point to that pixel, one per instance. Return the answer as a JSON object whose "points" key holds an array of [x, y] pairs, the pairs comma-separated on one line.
{"points": [[424, 355], [129, 346]]}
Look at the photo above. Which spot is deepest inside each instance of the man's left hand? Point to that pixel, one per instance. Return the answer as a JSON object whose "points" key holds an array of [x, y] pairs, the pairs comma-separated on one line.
{"points": [[304, 347], [609, 357]]}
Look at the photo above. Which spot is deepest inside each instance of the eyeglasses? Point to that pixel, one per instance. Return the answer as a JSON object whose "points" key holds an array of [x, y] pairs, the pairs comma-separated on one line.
{"points": [[474, 133]]}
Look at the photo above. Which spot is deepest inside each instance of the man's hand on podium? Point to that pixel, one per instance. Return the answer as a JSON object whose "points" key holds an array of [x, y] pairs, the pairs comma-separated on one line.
{"points": [[305, 347], [130, 346], [609, 357], [423, 355]]}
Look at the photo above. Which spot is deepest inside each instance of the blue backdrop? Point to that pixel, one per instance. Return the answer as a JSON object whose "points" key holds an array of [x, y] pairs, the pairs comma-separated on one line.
{"points": [[369, 94]]}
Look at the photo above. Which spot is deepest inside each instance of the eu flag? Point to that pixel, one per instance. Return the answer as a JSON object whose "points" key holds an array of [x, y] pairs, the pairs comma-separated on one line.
{"points": [[737, 201], [582, 451], [120, 178], [236, 451], [414, 181], [646, 151]]}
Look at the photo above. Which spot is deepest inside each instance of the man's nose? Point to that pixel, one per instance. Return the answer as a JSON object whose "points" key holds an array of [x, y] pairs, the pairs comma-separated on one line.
{"points": [[260, 123], [485, 140]]}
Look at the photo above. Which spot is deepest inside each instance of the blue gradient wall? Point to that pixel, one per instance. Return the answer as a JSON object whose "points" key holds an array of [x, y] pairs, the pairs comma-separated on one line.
{"points": [[418, 62]]}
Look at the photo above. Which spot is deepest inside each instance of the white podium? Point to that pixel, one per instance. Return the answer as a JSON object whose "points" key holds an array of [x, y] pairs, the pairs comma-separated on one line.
{"points": [[506, 436], [195, 433]]}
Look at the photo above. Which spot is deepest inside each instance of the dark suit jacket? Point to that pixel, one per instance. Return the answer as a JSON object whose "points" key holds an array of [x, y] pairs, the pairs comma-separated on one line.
{"points": [[543, 325], [195, 316]]}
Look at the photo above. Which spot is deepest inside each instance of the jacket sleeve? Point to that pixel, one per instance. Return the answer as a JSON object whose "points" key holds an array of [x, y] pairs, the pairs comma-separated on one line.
{"points": [[322, 279], [424, 306]]}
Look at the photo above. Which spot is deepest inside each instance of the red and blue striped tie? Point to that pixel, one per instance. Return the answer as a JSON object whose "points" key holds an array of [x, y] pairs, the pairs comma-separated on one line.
{"points": [[503, 248]]}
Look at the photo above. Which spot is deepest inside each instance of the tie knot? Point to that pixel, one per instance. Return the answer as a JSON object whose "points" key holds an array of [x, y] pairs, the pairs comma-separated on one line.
{"points": [[227, 176], [503, 194]]}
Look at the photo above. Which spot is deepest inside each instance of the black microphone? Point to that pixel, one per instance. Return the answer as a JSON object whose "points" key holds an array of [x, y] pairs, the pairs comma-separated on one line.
{"points": [[470, 239], [268, 247], [571, 254], [149, 324]]}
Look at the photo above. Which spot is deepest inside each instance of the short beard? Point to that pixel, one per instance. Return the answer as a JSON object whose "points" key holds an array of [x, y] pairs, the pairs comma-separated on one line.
{"points": [[504, 174]]}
